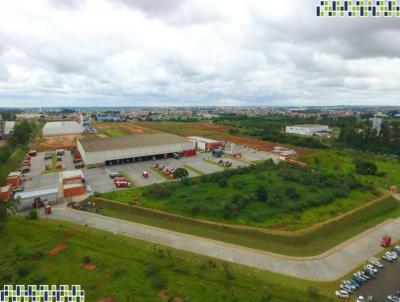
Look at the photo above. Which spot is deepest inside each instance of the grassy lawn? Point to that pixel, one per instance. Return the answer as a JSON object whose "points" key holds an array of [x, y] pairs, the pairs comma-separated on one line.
{"points": [[187, 128], [117, 129], [190, 168], [335, 161], [293, 199], [313, 242], [11, 164], [126, 269]]}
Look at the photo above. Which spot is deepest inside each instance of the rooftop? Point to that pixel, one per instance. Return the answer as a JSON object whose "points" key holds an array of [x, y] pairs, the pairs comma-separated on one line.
{"points": [[132, 141], [309, 126], [71, 174], [36, 192], [203, 139]]}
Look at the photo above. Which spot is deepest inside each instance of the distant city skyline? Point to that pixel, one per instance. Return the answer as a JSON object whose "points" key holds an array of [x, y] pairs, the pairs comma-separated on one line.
{"points": [[113, 53]]}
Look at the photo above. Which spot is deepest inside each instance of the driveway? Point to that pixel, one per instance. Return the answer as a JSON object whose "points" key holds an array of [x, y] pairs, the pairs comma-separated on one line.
{"points": [[329, 266]]}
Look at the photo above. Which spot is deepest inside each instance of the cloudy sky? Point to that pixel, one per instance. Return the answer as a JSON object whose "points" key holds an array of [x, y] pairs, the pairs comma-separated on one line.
{"points": [[193, 52]]}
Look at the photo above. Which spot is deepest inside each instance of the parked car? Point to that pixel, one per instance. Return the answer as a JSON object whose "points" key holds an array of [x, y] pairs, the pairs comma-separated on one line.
{"points": [[347, 288], [393, 298], [115, 174], [361, 299], [342, 294], [376, 263], [388, 258], [48, 156]]}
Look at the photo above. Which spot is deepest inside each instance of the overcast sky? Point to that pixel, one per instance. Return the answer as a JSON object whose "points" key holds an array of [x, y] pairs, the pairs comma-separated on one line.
{"points": [[193, 52]]}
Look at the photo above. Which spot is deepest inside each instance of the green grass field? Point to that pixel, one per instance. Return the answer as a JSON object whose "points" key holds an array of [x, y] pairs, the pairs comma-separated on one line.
{"points": [[334, 161], [231, 197], [310, 243], [130, 270]]}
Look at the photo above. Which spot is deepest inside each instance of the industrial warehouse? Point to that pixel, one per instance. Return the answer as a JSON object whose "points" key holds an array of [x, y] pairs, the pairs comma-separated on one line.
{"points": [[117, 150]]}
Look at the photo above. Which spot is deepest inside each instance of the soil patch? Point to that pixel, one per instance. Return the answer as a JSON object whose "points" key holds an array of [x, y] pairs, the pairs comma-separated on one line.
{"points": [[163, 295], [55, 250], [89, 266], [106, 299], [58, 142]]}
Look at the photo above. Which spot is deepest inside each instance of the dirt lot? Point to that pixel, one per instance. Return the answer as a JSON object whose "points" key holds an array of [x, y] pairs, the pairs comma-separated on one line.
{"points": [[56, 142], [386, 282]]}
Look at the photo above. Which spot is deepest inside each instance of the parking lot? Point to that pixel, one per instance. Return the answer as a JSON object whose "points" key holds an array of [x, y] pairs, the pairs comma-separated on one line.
{"points": [[203, 163], [99, 181], [38, 179], [387, 282]]}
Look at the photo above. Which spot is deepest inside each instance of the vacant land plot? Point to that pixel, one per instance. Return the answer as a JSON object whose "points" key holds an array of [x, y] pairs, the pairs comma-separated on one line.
{"points": [[117, 129], [28, 257], [337, 161], [268, 195], [56, 142]]}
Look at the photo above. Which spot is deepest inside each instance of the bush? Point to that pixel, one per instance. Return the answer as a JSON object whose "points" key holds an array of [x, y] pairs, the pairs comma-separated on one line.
{"points": [[223, 183], [151, 270], [261, 194], [32, 215], [158, 282], [86, 260], [292, 193], [38, 254]]}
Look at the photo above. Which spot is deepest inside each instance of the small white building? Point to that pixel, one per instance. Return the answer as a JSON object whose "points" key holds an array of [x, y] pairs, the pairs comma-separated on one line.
{"points": [[307, 130], [204, 143]]}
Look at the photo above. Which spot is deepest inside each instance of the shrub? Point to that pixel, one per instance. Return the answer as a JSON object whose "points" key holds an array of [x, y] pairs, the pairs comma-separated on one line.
{"points": [[86, 260], [151, 270], [261, 194], [222, 183], [38, 254], [32, 215], [292, 193], [158, 282], [38, 279]]}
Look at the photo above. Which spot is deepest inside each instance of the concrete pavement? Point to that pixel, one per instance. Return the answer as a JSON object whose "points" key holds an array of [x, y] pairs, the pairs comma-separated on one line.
{"points": [[329, 266]]}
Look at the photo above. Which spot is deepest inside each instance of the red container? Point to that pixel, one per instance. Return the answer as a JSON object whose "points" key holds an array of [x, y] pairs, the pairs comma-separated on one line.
{"points": [[386, 241], [47, 210], [74, 191], [77, 155], [5, 193], [14, 181]]}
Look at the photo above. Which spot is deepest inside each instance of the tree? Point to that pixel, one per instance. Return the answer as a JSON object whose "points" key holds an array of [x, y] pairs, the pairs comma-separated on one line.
{"points": [[365, 167], [5, 208], [181, 173], [261, 194]]}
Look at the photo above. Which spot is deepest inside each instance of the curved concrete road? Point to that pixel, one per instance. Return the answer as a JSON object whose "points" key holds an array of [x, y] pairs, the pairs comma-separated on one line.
{"points": [[329, 266]]}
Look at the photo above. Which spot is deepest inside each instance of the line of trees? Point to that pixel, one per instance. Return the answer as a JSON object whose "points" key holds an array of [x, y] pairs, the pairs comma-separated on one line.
{"points": [[365, 138]]}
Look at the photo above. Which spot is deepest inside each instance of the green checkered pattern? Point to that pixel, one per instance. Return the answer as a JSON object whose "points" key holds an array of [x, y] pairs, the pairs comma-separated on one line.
{"points": [[45, 293], [360, 8]]}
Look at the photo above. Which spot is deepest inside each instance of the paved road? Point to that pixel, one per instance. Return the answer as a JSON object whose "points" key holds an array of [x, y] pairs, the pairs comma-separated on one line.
{"points": [[329, 266]]}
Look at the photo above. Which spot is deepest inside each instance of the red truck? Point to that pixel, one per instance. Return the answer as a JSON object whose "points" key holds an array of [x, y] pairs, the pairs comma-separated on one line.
{"points": [[386, 241], [123, 184]]}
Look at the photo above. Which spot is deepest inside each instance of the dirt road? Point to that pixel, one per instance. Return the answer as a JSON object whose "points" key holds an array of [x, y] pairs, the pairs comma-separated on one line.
{"points": [[329, 266]]}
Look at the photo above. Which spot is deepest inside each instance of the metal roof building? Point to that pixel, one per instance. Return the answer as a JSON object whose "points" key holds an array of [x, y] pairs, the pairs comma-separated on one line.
{"points": [[27, 198], [62, 128], [100, 151], [307, 129]]}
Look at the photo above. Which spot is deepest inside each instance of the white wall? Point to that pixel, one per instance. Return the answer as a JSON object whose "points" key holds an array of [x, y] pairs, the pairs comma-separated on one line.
{"points": [[100, 157]]}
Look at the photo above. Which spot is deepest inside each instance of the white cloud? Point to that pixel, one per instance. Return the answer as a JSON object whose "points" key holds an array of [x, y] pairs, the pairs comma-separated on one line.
{"points": [[193, 52]]}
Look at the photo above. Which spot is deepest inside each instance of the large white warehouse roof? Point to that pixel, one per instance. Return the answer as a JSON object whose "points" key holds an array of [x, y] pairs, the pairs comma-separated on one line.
{"points": [[62, 128]]}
